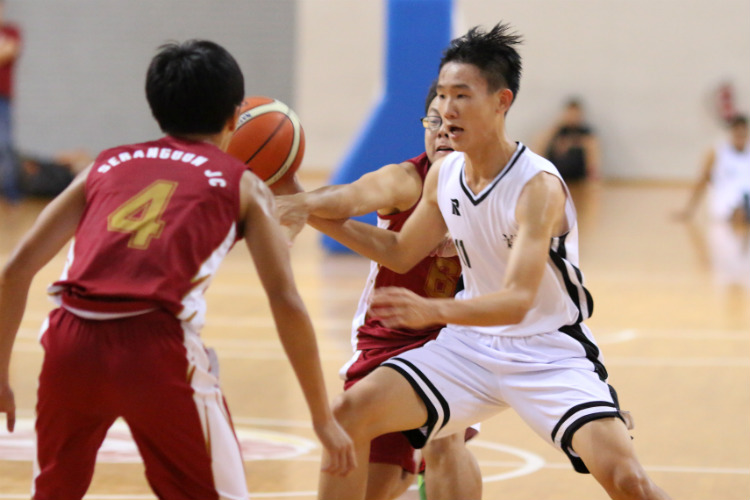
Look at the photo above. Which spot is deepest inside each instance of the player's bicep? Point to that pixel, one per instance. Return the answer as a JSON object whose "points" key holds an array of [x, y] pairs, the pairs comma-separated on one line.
{"points": [[540, 213], [394, 187], [54, 227]]}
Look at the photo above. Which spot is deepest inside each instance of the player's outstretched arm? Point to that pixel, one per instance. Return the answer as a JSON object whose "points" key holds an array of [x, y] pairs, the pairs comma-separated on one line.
{"points": [[699, 188], [540, 216], [422, 233], [53, 228], [392, 188], [270, 254]]}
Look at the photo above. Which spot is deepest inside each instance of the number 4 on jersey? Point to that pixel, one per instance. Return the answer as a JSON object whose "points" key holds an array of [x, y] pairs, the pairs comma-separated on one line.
{"points": [[141, 215]]}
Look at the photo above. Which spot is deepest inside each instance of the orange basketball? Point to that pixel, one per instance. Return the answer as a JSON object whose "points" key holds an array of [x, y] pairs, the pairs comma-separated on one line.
{"points": [[268, 139]]}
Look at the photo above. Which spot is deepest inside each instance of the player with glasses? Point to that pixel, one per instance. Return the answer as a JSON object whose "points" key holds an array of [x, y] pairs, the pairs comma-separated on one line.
{"points": [[393, 191]]}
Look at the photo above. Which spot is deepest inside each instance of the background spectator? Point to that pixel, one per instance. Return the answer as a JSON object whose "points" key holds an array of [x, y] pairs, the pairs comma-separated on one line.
{"points": [[10, 48], [571, 144]]}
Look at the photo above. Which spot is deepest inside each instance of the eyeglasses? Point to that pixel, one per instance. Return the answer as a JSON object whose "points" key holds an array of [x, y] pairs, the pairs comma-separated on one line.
{"points": [[432, 122]]}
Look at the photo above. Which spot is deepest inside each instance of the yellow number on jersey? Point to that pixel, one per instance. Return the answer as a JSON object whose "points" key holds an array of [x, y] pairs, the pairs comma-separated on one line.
{"points": [[442, 278], [141, 214]]}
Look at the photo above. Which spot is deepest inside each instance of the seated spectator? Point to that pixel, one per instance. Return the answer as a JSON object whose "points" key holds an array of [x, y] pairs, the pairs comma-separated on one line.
{"points": [[571, 145], [48, 177]]}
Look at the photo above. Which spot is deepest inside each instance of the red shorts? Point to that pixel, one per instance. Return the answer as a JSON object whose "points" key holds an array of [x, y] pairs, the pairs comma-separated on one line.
{"points": [[159, 379]]}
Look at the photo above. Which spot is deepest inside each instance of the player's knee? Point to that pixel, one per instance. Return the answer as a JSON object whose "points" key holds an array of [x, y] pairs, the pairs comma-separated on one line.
{"points": [[442, 449], [349, 414], [631, 482]]}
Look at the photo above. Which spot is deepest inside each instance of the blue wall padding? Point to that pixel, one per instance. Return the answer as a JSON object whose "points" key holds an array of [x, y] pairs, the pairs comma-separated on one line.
{"points": [[417, 33]]}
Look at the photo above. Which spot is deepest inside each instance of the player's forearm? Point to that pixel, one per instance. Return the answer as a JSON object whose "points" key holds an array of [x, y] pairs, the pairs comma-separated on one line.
{"points": [[339, 202], [501, 308], [372, 242], [13, 293], [298, 340]]}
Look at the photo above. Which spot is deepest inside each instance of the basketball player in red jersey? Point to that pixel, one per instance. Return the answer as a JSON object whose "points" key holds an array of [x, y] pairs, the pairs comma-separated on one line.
{"points": [[393, 191], [152, 222]]}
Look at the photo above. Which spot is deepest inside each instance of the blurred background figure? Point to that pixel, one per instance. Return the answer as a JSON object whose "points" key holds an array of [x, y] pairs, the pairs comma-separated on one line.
{"points": [[571, 144], [726, 170], [10, 48], [46, 177]]}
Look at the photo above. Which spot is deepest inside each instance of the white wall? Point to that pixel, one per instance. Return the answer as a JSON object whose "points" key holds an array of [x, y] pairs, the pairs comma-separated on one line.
{"points": [[646, 70]]}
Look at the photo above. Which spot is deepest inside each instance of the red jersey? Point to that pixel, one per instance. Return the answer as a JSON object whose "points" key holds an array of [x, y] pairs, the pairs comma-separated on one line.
{"points": [[432, 277], [159, 219], [8, 31]]}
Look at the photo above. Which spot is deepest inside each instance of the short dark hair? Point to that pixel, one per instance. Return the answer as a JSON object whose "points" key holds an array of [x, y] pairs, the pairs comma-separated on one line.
{"points": [[493, 52], [193, 87], [431, 95], [738, 120]]}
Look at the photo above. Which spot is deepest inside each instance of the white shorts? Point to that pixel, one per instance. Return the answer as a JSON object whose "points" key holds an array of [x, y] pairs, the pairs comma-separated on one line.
{"points": [[555, 381]]}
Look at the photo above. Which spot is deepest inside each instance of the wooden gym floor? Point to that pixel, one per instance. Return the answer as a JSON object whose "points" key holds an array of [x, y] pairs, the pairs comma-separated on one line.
{"points": [[672, 316]]}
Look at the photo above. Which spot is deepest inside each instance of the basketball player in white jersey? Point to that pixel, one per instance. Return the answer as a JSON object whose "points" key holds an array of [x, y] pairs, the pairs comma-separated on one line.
{"points": [[726, 170], [393, 191], [515, 336]]}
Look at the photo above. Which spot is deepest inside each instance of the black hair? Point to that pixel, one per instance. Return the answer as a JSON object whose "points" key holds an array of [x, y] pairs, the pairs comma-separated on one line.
{"points": [[431, 94], [193, 87], [493, 52], [738, 120], [574, 102]]}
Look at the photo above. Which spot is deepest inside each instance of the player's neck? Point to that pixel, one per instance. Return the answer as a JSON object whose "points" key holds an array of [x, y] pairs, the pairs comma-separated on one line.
{"points": [[220, 140], [483, 164]]}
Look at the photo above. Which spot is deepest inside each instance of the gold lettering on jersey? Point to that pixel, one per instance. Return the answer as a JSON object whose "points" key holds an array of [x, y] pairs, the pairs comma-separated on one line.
{"points": [[159, 153], [442, 278]]}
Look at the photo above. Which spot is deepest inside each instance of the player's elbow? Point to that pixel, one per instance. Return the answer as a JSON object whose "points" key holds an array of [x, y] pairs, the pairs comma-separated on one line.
{"points": [[520, 307], [14, 273]]}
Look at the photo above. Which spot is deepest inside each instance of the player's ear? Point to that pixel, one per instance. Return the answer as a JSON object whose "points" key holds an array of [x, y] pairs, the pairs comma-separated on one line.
{"points": [[232, 122], [504, 100]]}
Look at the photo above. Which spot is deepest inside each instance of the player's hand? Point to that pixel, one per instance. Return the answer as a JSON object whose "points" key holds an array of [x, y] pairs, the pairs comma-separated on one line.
{"points": [[292, 214], [339, 458], [398, 307], [8, 406]]}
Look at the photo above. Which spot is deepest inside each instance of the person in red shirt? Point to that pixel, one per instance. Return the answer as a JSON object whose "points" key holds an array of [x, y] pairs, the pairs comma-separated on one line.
{"points": [[10, 48], [393, 191], [152, 222]]}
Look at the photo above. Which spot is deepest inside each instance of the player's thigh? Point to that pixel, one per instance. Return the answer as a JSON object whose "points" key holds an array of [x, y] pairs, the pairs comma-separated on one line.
{"points": [[382, 402]]}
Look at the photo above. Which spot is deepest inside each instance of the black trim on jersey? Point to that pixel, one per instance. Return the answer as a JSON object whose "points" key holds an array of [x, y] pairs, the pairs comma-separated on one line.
{"points": [[592, 351], [567, 437], [417, 438], [558, 259], [476, 201]]}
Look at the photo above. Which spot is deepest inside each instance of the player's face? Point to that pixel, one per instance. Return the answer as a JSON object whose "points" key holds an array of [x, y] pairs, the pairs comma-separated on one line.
{"points": [[436, 142], [739, 136], [471, 115]]}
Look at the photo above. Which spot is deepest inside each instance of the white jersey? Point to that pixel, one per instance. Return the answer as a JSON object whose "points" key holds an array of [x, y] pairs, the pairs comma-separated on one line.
{"points": [[730, 180], [483, 226]]}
